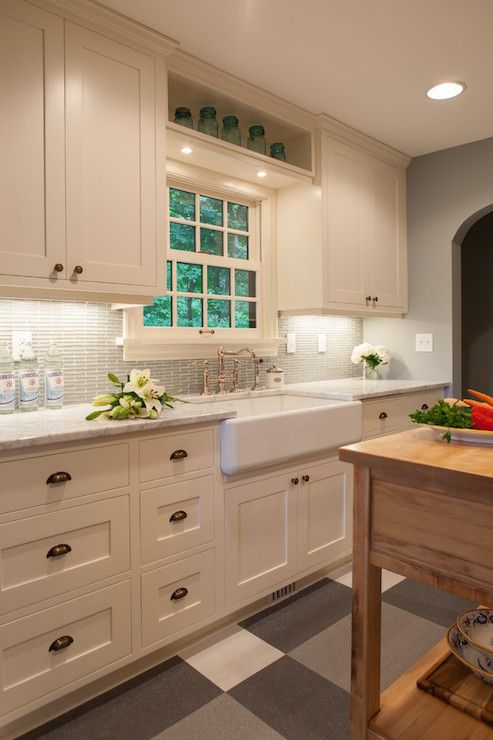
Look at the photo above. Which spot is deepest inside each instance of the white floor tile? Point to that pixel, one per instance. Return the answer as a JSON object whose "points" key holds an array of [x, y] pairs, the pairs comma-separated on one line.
{"points": [[231, 656], [389, 579]]}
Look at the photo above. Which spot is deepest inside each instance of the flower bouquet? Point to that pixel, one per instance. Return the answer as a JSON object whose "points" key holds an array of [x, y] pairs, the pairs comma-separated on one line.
{"points": [[139, 398], [372, 356]]}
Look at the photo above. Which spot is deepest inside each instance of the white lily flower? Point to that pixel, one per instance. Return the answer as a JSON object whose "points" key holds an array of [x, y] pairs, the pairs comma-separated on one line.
{"points": [[150, 395], [138, 379]]}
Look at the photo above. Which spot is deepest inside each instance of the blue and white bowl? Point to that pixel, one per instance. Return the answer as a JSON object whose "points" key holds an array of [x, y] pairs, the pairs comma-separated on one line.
{"points": [[479, 661], [476, 625]]}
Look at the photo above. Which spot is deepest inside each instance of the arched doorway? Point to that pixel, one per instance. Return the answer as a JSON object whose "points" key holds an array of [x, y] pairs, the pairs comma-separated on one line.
{"points": [[472, 296]]}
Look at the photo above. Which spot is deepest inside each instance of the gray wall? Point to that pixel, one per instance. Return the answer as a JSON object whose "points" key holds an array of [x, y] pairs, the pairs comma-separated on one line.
{"points": [[443, 190], [477, 306]]}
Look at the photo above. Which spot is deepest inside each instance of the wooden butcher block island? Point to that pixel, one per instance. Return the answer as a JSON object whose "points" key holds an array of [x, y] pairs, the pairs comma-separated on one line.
{"points": [[423, 509]]}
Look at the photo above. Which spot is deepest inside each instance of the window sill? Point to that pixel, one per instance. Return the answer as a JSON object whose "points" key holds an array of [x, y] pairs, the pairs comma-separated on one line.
{"points": [[144, 349]]}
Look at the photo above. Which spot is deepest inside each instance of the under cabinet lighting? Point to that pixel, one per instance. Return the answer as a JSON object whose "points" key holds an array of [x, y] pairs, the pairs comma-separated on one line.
{"points": [[445, 90], [261, 173], [186, 150]]}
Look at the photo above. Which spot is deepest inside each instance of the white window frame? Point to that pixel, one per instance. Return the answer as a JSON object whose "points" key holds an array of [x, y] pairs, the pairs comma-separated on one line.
{"points": [[142, 342]]}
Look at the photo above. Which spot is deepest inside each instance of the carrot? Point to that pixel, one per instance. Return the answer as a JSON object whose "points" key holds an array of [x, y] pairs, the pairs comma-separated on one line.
{"points": [[482, 396], [472, 403]]}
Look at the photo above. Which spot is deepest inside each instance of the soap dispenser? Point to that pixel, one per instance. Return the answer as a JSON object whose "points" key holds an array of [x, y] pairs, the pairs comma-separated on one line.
{"points": [[275, 377]]}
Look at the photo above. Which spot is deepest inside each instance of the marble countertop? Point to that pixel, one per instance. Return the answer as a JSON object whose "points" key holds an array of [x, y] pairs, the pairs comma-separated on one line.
{"points": [[27, 430]]}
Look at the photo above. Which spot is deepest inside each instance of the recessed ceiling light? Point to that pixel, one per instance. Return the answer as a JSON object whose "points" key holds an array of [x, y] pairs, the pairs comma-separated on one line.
{"points": [[186, 150], [445, 90], [261, 173]]}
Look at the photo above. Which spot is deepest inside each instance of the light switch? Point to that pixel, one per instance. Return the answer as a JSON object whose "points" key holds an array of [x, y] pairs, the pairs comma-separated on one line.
{"points": [[291, 343], [424, 342], [322, 342], [18, 338]]}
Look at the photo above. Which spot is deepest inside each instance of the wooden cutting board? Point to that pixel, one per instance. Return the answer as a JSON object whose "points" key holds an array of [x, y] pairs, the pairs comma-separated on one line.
{"points": [[455, 684]]}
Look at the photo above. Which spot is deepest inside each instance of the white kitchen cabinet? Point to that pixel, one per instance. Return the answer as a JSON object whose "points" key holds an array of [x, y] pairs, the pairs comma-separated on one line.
{"points": [[350, 234], [325, 495], [32, 180], [260, 536]]}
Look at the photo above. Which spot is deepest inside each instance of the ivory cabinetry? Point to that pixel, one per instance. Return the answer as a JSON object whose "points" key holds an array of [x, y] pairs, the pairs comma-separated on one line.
{"points": [[82, 185], [390, 414], [350, 234]]}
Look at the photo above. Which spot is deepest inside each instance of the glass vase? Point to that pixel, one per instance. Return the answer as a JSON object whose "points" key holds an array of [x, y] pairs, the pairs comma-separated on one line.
{"points": [[231, 131], [183, 116], [371, 372], [277, 151], [207, 121], [256, 139]]}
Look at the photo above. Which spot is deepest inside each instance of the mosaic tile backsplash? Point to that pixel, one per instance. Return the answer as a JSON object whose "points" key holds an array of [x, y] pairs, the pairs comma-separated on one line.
{"points": [[87, 334]]}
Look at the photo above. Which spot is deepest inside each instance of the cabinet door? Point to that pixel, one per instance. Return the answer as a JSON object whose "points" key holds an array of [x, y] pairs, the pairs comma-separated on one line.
{"points": [[346, 203], [386, 251], [32, 177], [111, 149], [260, 536], [324, 513]]}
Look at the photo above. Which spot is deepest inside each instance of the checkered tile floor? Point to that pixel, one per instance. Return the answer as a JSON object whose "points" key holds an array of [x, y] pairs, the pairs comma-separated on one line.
{"points": [[283, 673]]}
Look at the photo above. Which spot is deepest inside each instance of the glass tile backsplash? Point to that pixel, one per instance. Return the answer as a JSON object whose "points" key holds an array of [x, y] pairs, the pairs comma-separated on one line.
{"points": [[87, 334]]}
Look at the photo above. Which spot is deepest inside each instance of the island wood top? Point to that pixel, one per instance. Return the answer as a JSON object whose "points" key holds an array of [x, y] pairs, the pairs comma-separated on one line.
{"points": [[421, 451]]}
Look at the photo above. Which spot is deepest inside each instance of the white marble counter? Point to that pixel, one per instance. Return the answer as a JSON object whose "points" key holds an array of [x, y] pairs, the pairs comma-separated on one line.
{"points": [[358, 389]]}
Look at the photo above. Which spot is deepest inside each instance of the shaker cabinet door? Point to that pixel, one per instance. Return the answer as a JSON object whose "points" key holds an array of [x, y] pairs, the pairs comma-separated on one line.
{"points": [[111, 167], [32, 177]]}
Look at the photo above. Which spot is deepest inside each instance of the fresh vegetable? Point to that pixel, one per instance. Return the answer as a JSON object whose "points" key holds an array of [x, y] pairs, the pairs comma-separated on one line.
{"points": [[482, 396], [482, 417], [470, 402], [443, 414]]}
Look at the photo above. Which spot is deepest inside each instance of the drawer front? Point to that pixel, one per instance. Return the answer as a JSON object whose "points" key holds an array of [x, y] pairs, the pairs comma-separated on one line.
{"points": [[24, 483], [35, 559], [383, 416], [99, 627], [419, 401], [176, 517], [175, 454], [177, 596]]}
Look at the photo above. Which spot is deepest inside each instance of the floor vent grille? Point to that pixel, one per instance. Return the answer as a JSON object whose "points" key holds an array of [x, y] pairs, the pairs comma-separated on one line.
{"points": [[281, 593]]}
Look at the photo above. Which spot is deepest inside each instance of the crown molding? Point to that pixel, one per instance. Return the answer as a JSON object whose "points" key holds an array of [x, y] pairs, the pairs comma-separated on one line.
{"points": [[103, 20], [348, 135]]}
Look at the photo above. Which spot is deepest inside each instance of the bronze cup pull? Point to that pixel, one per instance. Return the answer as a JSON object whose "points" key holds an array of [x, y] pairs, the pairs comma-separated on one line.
{"points": [[178, 455], [60, 477], [60, 643], [178, 516], [57, 550], [180, 593], [383, 415]]}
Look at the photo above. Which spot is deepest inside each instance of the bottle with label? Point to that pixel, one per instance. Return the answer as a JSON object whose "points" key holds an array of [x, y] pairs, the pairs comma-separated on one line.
{"points": [[28, 379], [7, 380], [54, 377]]}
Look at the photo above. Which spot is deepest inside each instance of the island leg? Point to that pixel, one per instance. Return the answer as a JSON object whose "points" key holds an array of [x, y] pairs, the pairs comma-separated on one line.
{"points": [[366, 622]]}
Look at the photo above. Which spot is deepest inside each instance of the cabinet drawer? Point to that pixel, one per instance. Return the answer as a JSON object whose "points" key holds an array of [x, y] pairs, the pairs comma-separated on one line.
{"points": [[177, 596], [382, 416], [99, 626], [175, 454], [176, 517], [24, 483], [31, 569], [419, 401]]}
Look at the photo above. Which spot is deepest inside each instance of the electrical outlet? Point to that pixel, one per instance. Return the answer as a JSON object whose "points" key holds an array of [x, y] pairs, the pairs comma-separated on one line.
{"points": [[322, 342], [424, 342], [291, 343], [18, 338]]}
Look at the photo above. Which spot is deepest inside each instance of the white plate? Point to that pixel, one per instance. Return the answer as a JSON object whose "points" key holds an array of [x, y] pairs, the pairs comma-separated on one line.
{"points": [[474, 436]]}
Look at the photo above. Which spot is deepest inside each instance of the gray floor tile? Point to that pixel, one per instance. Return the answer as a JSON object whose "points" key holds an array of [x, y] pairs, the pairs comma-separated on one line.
{"points": [[136, 710], [295, 620], [427, 602], [299, 704], [221, 719], [405, 638]]}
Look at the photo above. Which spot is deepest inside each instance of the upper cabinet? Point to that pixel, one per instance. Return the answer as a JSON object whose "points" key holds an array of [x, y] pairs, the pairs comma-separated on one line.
{"points": [[82, 183], [350, 234]]}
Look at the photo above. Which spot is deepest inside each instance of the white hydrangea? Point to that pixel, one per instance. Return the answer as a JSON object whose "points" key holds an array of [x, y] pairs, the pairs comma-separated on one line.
{"points": [[360, 352]]}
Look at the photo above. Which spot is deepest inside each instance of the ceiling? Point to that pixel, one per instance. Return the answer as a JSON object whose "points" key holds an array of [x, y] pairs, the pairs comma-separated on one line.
{"points": [[365, 62]]}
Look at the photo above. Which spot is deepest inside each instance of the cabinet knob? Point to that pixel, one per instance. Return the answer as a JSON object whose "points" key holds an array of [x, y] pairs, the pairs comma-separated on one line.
{"points": [[178, 516], [78, 269], [368, 299], [178, 455], [295, 481], [60, 643], [57, 550], [60, 477], [425, 407], [383, 415], [180, 593], [375, 300], [58, 267], [305, 478]]}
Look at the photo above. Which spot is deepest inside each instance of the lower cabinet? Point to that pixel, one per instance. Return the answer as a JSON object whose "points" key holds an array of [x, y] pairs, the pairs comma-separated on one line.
{"points": [[279, 528]]}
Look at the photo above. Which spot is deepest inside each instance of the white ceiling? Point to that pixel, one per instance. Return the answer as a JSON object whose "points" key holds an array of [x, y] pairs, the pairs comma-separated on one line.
{"points": [[365, 62]]}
